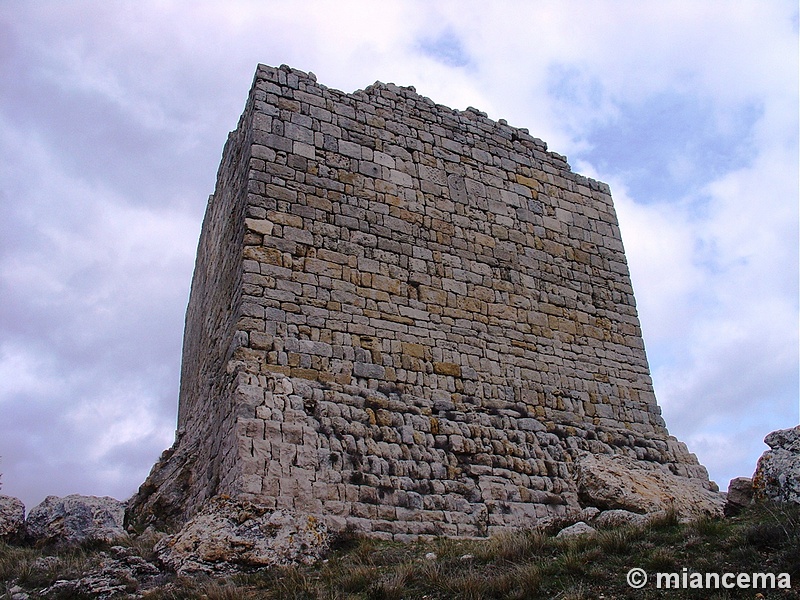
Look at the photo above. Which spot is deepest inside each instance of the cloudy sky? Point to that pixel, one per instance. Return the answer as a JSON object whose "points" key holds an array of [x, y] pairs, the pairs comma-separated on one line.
{"points": [[113, 115]]}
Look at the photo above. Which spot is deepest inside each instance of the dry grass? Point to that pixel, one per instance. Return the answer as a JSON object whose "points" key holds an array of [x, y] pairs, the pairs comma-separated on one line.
{"points": [[513, 566]]}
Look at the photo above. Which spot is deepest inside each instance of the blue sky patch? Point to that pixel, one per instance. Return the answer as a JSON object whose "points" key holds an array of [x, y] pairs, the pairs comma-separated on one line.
{"points": [[671, 145], [665, 147], [446, 48]]}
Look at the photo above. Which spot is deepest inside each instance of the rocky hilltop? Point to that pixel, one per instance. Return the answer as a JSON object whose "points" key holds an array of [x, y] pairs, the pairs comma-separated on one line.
{"points": [[234, 536]]}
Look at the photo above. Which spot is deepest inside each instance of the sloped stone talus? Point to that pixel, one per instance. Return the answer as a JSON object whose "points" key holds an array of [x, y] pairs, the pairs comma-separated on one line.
{"points": [[408, 319]]}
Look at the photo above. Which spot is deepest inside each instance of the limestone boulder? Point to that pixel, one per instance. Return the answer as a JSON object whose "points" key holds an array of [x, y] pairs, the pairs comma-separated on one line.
{"points": [[12, 518], [231, 535], [617, 482], [777, 475], [589, 514], [620, 518], [740, 495], [578, 529], [76, 519]]}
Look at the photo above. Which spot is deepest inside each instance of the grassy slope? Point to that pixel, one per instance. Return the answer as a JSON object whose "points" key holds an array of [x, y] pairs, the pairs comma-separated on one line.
{"points": [[518, 565]]}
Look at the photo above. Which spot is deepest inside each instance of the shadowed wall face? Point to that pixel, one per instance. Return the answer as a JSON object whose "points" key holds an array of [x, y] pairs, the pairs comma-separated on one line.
{"points": [[420, 318]]}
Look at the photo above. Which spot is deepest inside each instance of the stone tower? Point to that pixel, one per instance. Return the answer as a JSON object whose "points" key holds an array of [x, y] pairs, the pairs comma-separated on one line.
{"points": [[406, 319]]}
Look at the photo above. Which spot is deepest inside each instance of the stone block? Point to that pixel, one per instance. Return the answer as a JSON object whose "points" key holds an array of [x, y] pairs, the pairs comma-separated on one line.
{"points": [[350, 149], [445, 368], [262, 226], [368, 370]]}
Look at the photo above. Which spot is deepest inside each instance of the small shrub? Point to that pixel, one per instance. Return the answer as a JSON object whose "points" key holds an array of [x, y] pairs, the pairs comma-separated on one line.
{"points": [[364, 551], [665, 520], [37, 568], [471, 585], [144, 545], [616, 541], [573, 561], [578, 592], [527, 580], [709, 526], [513, 546], [429, 571], [452, 548], [215, 590], [766, 536], [392, 586], [745, 554], [278, 582], [578, 543], [357, 578], [662, 559]]}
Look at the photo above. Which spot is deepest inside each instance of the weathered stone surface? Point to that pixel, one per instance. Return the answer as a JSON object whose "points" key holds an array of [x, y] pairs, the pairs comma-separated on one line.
{"points": [[619, 482], [740, 495], [620, 518], [120, 573], [229, 536], [75, 519], [169, 506], [12, 518], [777, 475], [17, 593], [405, 319], [578, 529], [589, 513]]}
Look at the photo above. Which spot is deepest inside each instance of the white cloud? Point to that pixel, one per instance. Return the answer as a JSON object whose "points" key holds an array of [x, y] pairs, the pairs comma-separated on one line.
{"points": [[717, 288]]}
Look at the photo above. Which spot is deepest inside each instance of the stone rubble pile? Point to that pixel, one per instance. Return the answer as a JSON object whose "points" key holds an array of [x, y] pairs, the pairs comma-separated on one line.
{"points": [[618, 482], [120, 573]]}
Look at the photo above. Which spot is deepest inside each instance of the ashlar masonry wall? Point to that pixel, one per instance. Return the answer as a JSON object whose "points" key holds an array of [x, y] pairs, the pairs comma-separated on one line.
{"points": [[405, 319]]}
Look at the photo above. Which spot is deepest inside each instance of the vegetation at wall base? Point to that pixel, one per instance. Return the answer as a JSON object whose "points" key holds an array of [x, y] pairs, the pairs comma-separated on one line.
{"points": [[519, 565]]}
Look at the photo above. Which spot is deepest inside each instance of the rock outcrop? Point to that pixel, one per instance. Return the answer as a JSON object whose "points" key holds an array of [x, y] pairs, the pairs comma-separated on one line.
{"points": [[232, 535], [777, 475], [12, 518], [739, 496], [120, 573], [618, 482], [575, 530], [75, 519], [617, 517]]}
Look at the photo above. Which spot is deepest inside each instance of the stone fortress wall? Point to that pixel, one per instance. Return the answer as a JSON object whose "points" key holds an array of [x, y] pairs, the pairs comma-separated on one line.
{"points": [[405, 319]]}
